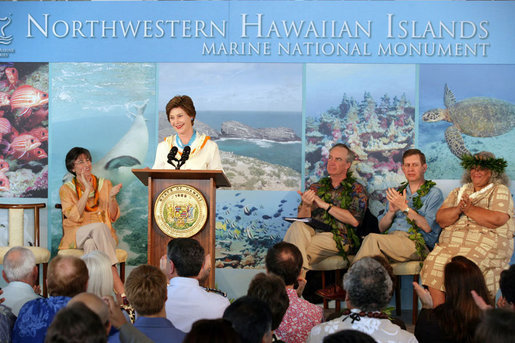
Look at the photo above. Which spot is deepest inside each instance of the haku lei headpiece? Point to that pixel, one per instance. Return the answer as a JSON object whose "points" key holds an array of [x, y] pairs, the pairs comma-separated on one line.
{"points": [[494, 164]]}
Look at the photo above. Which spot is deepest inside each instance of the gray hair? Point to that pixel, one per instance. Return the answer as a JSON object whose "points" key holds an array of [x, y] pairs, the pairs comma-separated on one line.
{"points": [[100, 273], [19, 262], [368, 285], [351, 155], [496, 178]]}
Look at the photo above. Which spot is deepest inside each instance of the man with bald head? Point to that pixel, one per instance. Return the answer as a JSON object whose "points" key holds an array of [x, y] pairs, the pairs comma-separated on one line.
{"points": [[95, 304], [67, 277]]}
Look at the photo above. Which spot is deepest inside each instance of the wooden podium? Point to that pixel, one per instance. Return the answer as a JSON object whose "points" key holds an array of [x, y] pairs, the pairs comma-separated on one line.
{"points": [[205, 181]]}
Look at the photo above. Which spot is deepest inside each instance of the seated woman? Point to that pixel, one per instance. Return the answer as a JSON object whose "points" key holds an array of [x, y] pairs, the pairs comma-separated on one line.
{"points": [[204, 153], [457, 318], [89, 208], [476, 223]]}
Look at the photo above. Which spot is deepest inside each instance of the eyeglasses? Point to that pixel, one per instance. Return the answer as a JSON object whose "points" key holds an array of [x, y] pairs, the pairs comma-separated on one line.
{"points": [[87, 160]]}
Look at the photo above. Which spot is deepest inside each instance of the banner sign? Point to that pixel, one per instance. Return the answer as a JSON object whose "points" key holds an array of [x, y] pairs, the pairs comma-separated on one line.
{"points": [[259, 31]]}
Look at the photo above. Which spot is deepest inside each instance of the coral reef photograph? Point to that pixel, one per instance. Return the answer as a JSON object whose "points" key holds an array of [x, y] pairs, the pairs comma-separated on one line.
{"points": [[368, 107]]}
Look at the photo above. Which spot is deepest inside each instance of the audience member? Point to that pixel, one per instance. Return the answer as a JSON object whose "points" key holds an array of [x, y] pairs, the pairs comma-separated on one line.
{"points": [[369, 290], [457, 318], [95, 304], [497, 326], [212, 331], [20, 272], [271, 289], [76, 323], [67, 277], [251, 319], [146, 291], [349, 336], [507, 285], [100, 273], [128, 333], [7, 319], [285, 260], [187, 300], [409, 228]]}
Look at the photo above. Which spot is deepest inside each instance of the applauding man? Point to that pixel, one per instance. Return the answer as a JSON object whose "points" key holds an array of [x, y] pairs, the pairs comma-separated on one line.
{"points": [[410, 217]]}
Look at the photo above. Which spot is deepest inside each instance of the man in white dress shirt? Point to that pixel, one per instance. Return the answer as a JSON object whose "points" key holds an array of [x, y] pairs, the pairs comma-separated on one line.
{"points": [[187, 300], [20, 272]]}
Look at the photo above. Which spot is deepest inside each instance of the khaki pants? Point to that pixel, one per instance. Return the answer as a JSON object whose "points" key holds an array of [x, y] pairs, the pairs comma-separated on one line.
{"points": [[97, 236], [394, 246], [314, 246]]}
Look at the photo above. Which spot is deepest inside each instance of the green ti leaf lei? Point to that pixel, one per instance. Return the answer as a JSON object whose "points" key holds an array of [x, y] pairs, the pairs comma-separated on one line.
{"points": [[343, 200], [414, 231]]}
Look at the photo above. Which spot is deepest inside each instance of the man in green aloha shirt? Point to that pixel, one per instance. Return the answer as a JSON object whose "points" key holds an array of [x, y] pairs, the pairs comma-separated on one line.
{"points": [[338, 203], [408, 225]]}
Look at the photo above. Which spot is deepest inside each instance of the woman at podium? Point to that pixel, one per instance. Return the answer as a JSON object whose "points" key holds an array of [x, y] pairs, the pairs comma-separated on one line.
{"points": [[188, 149], [89, 208]]}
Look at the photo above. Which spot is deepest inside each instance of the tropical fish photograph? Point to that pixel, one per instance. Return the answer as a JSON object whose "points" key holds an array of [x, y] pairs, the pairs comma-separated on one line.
{"points": [[371, 109], [248, 223], [24, 130], [465, 109], [110, 109], [252, 111]]}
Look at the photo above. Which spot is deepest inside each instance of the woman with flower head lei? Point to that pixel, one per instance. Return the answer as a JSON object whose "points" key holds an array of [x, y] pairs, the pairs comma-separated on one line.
{"points": [[477, 222]]}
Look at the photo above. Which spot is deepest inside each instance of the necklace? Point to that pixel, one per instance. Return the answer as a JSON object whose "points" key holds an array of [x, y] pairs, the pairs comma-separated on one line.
{"points": [[356, 316], [343, 236], [95, 193], [414, 231]]}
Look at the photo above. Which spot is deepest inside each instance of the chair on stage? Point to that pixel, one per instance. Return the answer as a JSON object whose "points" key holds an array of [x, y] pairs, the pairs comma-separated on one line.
{"points": [[121, 254], [16, 228]]}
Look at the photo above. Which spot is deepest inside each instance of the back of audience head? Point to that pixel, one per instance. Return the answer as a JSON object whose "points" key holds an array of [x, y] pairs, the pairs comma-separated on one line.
{"points": [[284, 260], [387, 266], [212, 331], [349, 336], [76, 323], [187, 256], [459, 315], [100, 273], [507, 285], [67, 276], [461, 276], [368, 285], [146, 290], [251, 319], [271, 289], [95, 304], [497, 326], [20, 265]]}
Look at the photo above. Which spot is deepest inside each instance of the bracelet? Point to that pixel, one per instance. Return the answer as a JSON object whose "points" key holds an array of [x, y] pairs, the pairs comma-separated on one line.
{"points": [[329, 208]]}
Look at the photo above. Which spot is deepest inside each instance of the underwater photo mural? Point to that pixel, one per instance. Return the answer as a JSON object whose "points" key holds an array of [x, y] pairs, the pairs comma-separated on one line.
{"points": [[24, 130], [466, 109], [368, 107]]}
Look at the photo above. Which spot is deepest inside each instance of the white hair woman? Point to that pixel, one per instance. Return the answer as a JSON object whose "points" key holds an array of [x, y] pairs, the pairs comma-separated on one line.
{"points": [[100, 276]]}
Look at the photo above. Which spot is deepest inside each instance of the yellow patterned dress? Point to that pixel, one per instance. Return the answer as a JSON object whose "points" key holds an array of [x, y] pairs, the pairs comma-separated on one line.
{"points": [[490, 249]]}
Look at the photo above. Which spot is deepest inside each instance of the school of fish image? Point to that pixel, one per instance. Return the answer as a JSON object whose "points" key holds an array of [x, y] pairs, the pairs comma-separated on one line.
{"points": [[23, 130]]}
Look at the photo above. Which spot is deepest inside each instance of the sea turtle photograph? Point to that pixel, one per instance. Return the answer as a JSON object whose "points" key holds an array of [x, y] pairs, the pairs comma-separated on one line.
{"points": [[465, 109], [476, 116]]}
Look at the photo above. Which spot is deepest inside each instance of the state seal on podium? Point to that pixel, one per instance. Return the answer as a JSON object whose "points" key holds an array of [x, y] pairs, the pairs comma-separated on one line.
{"points": [[180, 211]]}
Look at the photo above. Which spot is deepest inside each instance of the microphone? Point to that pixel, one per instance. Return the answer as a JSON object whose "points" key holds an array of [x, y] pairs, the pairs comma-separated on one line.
{"points": [[171, 156], [185, 155]]}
